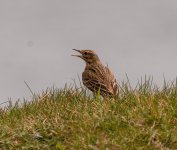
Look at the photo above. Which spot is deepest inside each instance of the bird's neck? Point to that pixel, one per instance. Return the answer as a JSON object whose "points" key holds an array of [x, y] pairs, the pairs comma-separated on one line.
{"points": [[95, 62]]}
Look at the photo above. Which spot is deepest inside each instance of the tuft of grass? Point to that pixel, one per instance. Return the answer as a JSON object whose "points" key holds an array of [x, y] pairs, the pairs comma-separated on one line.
{"points": [[140, 118]]}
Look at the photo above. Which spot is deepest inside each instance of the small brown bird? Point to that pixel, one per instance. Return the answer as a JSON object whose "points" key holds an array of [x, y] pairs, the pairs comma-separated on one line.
{"points": [[97, 77]]}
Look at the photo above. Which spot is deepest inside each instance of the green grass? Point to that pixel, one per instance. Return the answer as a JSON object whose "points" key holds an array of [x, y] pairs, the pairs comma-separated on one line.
{"points": [[141, 118]]}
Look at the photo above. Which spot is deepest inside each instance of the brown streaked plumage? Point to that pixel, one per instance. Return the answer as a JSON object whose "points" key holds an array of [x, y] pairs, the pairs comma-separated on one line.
{"points": [[96, 76]]}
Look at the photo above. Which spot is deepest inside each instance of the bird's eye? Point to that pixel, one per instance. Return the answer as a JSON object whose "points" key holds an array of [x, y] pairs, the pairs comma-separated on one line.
{"points": [[85, 53]]}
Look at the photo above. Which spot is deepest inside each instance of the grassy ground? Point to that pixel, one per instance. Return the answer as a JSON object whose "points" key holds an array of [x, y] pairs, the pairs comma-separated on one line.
{"points": [[144, 118]]}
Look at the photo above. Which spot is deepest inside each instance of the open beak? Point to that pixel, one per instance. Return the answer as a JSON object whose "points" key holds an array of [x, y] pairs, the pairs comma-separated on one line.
{"points": [[77, 55]]}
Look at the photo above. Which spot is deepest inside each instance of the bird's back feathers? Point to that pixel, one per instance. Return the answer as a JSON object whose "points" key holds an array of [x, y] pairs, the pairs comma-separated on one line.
{"points": [[98, 77]]}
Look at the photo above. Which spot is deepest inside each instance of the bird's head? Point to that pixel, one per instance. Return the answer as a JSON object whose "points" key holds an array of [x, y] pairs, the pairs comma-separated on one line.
{"points": [[89, 56]]}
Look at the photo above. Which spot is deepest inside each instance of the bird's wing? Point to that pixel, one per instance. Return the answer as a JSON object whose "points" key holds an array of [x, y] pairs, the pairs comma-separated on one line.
{"points": [[95, 81], [112, 80]]}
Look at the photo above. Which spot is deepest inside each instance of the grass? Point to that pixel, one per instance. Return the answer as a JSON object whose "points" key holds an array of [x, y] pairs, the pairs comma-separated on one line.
{"points": [[140, 118]]}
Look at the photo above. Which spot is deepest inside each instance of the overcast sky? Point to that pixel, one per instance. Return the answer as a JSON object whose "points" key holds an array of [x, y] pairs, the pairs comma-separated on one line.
{"points": [[136, 37]]}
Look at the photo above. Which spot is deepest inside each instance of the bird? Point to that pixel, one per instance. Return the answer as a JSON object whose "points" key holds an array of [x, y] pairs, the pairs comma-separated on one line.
{"points": [[97, 77]]}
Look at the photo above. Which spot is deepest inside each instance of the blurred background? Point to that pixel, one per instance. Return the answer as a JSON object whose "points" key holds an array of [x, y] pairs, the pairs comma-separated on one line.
{"points": [[37, 37]]}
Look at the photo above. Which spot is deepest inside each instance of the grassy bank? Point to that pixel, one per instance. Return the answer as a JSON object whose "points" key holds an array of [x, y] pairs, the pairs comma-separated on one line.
{"points": [[143, 118]]}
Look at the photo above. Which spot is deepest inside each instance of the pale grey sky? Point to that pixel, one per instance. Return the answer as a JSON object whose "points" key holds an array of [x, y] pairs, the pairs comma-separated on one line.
{"points": [[136, 37]]}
